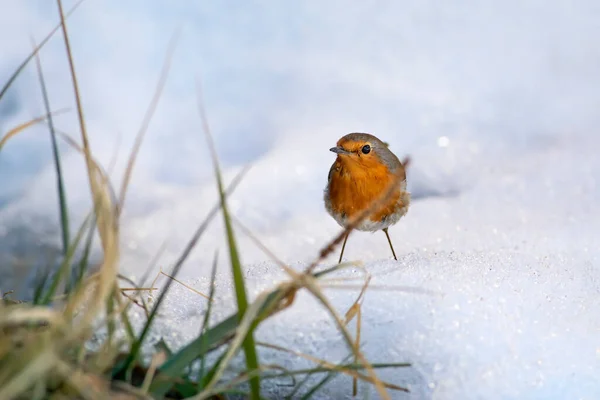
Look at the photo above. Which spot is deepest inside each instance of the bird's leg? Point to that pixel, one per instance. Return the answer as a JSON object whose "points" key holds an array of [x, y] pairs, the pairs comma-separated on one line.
{"points": [[343, 247], [389, 241]]}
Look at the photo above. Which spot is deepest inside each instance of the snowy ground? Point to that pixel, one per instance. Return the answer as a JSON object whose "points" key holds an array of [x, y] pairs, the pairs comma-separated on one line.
{"points": [[495, 102]]}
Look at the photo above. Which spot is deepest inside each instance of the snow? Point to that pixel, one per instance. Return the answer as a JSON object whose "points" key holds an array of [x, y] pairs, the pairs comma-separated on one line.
{"points": [[495, 102]]}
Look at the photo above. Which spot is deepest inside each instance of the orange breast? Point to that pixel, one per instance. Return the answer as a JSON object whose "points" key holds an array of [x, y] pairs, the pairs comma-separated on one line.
{"points": [[352, 188]]}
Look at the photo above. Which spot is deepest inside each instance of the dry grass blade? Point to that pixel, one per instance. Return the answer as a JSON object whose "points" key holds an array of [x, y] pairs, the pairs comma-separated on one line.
{"points": [[392, 288], [103, 175], [106, 220], [135, 301], [353, 311], [103, 226], [330, 366], [146, 122], [357, 344], [185, 285], [157, 359], [356, 311], [106, 276], [356, 305], [20, 128], [311, 284]]}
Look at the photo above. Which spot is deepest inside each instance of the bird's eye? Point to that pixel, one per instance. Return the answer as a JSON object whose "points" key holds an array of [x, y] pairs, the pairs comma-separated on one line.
{"points": [[366, 149]]}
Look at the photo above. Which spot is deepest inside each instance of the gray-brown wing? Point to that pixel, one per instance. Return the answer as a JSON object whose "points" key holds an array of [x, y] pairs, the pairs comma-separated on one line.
{"points": [[333, 166]]}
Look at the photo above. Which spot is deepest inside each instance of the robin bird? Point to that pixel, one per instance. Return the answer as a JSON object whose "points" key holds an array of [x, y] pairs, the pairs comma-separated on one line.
{"points": [[366, 171]]}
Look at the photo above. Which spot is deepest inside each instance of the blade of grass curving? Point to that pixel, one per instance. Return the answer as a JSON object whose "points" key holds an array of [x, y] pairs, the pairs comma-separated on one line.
{"points": [[62, 198], [134, 351], [21, 127], [146, 121], [206, 321], [35, 51], [236, 266], [98, 170]]}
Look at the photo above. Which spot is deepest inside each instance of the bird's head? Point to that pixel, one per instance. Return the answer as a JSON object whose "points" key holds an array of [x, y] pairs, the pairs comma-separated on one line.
{"points": [[365, 151]]}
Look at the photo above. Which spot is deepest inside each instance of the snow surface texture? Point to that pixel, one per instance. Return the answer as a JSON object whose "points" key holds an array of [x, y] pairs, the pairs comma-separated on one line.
{"points": [[496, 102]]}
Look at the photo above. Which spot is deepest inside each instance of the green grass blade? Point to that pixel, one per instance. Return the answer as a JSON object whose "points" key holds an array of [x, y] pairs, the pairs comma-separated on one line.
{"points": [[40, 285], [212, 339], [299, 386], [22, 66], [66, 264], [209, 341], [328, 377], [206, 321], [64, 214], [236, 267]]}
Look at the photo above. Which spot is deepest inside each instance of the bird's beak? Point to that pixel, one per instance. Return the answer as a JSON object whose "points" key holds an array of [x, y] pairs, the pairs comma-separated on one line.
{"points": [[339, 150]]}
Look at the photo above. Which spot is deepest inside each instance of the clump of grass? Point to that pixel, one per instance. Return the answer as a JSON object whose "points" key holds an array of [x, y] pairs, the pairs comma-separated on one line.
{"points": [[43, 345]]}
